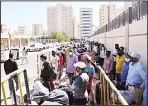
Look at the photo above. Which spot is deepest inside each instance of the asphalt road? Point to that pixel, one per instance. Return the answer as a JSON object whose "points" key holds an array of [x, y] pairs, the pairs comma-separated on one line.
{"points": [[31, 67]]}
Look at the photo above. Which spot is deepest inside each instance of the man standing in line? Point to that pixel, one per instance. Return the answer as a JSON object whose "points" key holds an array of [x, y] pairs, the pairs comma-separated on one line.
{"points": [[10, 66], [70, 69], [120, 58], [136, 78]]}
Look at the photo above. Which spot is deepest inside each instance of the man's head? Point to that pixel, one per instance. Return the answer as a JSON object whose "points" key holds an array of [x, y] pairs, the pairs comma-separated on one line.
{"points": [[86, 58], [43, 58], [80, 66], [11, 55], [122, 48], [127, 57], [116, 46], [71, 52], [108, 53], [119, 52], [53, 53], [135, 57]]}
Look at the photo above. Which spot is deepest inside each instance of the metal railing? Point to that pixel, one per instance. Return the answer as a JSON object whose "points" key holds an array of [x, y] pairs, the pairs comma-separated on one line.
{"points": [[48, 55], [9, 77], [132, 14], [107, 89]]}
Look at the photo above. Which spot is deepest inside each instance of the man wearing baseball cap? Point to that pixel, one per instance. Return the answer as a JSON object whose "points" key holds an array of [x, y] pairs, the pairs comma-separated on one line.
{"points": [[79, 86], [135, 78]]}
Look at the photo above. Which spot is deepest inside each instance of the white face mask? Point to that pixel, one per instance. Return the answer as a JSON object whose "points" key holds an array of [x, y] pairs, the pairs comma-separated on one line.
{"points": [[70, 53], [127, 59]]}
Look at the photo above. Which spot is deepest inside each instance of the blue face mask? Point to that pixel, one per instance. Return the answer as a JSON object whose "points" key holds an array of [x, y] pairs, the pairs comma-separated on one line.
{"points": [[127, 59]]}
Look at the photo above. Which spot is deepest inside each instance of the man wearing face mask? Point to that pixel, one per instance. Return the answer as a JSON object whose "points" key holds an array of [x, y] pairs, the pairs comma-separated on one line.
{"points": [[120, 58], [79, 87], [125, 68], [135, 78], [70, 69], [108, 63]]}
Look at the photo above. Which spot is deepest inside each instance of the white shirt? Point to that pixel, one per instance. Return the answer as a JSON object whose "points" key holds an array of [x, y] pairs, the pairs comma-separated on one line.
{"points": [[95, 49], [102, 53], [54, 61]]}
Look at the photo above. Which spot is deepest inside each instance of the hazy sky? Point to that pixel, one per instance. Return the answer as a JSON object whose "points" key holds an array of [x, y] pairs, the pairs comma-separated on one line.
{"points": [[27, 13]]}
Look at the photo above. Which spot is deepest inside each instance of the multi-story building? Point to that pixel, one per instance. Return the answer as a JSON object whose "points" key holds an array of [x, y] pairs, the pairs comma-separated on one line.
{"points": [[4, 28], [86, 22], [119, 11], [76, 27], [37, 29], [60, 18], [22, 30], [107, 13]]}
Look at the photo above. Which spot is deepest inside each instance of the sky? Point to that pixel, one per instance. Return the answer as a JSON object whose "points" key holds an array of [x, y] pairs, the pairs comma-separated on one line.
{"points": [[27, 13]]}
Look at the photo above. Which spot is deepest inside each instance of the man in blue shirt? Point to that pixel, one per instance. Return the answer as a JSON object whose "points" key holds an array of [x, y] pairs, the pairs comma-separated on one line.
{"points": [[125, 68], [135, 78]]}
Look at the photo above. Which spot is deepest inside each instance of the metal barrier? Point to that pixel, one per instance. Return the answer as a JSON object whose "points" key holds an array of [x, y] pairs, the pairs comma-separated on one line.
{"points": [[107, 88], [9, 77], [134, 13]]}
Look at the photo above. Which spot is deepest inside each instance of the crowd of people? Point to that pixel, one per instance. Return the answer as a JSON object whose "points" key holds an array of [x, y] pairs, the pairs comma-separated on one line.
{"points": [[124, 69]]}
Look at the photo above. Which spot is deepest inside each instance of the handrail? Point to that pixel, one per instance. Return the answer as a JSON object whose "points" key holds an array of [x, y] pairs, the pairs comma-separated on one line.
{"points": [[9, 77], [105, 89]]}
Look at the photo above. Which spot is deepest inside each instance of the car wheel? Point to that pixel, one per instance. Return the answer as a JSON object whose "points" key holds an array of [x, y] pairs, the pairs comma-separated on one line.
{"points": [[28, 50], [40, 49]]}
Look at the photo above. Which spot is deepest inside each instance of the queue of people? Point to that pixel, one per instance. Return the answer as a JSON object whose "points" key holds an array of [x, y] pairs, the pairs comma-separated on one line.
{"points": [[124, 68]]}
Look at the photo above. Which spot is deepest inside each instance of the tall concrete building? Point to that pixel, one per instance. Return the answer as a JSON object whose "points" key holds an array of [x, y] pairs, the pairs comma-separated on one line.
{"points": [[119, 11], [22, 30], [107, 13], [4, 28], [37, 29], [60, 18], [76, 28], [86, 22]]}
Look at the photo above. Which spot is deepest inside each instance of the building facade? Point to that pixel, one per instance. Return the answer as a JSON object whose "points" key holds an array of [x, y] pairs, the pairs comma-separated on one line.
{"points": [[37, 29], [60, 18], [86, 22], [107, 12], [22, 30], [4, 28]]}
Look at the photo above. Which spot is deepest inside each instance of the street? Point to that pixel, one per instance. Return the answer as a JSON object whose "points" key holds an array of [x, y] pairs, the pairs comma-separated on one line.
{"points": [[31, 68]]}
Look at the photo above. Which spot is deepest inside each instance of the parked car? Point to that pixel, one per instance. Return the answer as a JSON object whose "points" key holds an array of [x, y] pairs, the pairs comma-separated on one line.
{"points": [[34, 47], [45, 46], [4, 55]]}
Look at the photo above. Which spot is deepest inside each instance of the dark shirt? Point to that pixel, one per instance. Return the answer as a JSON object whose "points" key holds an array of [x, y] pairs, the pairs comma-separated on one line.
{"points": [[46, 71], [10, 66]]}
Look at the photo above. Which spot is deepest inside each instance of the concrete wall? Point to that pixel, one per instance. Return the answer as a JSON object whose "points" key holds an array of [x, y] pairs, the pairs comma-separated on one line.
{"points": [[137, 39]]}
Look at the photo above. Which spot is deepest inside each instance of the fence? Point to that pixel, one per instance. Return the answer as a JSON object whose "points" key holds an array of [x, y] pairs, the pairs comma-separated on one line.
{"points": [[9, 77], [107, 88], [134, 13]]}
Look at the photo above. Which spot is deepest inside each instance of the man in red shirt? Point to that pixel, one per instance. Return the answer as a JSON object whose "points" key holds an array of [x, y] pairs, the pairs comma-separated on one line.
{"points": [[61, 64]]}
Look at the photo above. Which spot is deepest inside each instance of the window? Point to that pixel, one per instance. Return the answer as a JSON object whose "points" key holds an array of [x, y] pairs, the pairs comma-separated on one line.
{"points": [[85, 29], [85, 26], [85, 14], [32, 45]]}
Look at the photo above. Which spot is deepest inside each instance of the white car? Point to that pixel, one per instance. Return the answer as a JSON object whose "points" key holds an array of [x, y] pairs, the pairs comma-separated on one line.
{"points": [[34, 47], [50, 45]]}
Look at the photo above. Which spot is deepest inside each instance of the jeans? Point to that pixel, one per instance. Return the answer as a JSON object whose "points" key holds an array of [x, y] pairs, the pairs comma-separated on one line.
{"points": [[70, 76], [118, 77]]}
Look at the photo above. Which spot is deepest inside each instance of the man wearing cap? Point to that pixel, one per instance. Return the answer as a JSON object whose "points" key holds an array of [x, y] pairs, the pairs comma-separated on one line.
{"points": [[125, 68], [79, 85], [70, 69], [90, 70], [135, 78], [10, 66]]}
